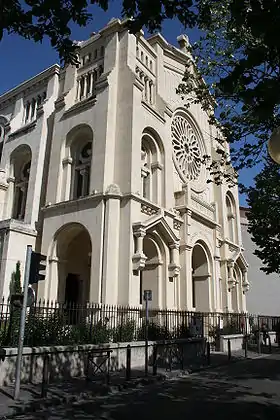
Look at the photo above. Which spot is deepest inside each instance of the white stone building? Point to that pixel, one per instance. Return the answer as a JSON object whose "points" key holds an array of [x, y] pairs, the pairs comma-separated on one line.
{"points": [[100, 171]]}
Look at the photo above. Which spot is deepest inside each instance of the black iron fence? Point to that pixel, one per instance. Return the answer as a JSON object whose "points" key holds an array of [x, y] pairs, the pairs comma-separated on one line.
{"points": [[49, 323]]}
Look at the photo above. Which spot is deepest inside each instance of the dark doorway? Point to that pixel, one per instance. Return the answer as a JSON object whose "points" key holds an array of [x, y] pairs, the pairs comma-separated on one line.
{"points": [[72, 289], [72, 297]]}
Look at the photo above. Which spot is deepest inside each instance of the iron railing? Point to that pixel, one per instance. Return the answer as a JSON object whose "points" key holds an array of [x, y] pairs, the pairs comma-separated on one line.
{"points": [[52, 323]]}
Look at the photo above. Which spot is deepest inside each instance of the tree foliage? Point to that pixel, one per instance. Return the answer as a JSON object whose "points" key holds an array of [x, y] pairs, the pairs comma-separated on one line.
{"points": [[235, 74], [36, 19], [15, 284], [264, 216]]}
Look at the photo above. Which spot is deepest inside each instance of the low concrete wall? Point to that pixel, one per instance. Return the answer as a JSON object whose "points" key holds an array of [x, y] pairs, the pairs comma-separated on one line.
{"points": [[236, 341], [72, 364]]}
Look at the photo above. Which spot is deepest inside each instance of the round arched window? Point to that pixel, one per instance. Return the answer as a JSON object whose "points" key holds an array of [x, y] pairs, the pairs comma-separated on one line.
{"points": [[186, 148]]}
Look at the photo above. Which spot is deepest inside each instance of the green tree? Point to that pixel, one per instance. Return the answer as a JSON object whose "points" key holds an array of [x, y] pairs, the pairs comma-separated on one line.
{"points": [[15, 284], [235, 74], [264, 226]]}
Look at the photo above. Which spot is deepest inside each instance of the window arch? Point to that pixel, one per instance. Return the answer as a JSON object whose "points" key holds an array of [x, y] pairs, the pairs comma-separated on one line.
{"points": [[152, 158], [21, 165], [81, 171], [77, 163], [231, 218]]}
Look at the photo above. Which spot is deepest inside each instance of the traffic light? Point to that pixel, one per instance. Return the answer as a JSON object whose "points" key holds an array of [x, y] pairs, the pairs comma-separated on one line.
{"points": [[37, 267]]}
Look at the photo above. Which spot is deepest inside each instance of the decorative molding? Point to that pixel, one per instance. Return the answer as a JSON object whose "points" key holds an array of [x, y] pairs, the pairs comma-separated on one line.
{"points": [[153, 112], [23, 130], [146, 209], [80, 106], [139, 262], [205, 208], [60, 102], [67, 161], [29, 85], [173, 270], [177, 224], [113, 191]]}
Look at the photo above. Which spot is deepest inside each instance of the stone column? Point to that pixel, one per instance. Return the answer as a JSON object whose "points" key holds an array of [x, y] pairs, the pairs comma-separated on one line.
{"points": [[229, 283], [67, 178], [157, 184], [217, 304], [85, 85], [111, 246], [90, 83], [56, 288], [146, 79], [3, 193], [78, 88], [10, 198]]}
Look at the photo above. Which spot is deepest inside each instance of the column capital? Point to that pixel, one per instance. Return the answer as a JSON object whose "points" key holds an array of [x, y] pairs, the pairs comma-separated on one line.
{"points": [[175, 245], [67, 161], [186, 247]]}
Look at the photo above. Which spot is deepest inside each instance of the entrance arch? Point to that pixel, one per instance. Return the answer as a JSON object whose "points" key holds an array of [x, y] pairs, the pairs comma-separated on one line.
{"points": [[72, 255], [201, 274], [151, 275]]}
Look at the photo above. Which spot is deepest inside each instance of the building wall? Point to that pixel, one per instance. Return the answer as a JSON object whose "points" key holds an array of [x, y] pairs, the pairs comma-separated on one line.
{"points": [[263, 296]]}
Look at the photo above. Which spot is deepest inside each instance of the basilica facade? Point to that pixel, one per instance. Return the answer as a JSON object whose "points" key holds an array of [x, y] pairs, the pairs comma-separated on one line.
{"points": [[101, 171]]}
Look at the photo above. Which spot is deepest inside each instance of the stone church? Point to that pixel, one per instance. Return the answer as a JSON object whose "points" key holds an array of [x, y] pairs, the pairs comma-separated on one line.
{"points": [[101, 172]]}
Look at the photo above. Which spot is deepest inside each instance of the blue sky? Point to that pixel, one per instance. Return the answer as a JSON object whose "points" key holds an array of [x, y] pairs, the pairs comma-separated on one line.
{"points": [[22, 59]]}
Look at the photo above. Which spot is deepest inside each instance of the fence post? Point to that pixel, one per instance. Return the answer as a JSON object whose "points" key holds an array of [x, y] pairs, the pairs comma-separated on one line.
{"points": [[246, 346], [229, 350], [108, 366], [128, 362], [45, 380], [269, 344], [259, 341], [155, 350], [208, 353]]}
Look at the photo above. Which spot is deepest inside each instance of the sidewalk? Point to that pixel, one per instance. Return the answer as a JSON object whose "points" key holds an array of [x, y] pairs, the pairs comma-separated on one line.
{"points": [[80, 389]]}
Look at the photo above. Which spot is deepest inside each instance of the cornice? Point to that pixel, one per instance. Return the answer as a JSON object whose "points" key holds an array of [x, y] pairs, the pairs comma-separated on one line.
{"points": [[39, 79]]}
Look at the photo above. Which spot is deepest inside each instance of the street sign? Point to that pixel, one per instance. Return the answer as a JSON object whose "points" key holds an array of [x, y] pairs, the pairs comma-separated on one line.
{"points": [[148, 295]]}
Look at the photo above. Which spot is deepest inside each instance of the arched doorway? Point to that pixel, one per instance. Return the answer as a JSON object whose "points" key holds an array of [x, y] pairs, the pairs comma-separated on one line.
{"points": [[151, 276], [73, 255], [201, 274]]}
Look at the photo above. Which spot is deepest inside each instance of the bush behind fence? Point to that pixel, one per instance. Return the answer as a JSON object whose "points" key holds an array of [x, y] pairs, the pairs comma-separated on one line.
{"points": [[49, 323]]}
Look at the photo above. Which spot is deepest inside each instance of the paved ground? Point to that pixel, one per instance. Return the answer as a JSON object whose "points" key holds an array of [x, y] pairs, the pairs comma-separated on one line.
{"points": [[249, 390]]}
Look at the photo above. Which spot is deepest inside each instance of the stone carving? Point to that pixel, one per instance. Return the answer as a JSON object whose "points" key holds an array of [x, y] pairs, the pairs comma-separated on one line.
{"points": [[203, 207], [186, 148], [177, 225], [148, 210], [113, 189]]}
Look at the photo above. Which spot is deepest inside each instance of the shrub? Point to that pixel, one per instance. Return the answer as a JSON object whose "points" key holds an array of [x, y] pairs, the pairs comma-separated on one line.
{"points": [[155, 332], [124, 332]]}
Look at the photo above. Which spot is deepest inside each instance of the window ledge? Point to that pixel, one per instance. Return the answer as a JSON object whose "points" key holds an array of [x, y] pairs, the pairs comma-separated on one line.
{"points": [[23, 130]]}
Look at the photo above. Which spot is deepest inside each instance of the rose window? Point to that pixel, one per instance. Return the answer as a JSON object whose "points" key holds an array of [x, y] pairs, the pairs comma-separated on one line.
{"points": [[186, 148]]}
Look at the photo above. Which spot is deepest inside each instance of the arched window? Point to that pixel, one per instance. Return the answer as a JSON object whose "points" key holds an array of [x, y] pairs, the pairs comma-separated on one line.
{"points": [[231, 217], [21, 188], [81, 171], [152, 157]]}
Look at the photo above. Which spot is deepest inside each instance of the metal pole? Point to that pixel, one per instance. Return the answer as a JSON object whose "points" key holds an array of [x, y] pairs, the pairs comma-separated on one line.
{"points": [[128, 362], [146, 339], [22, 321], [229, 350]]}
